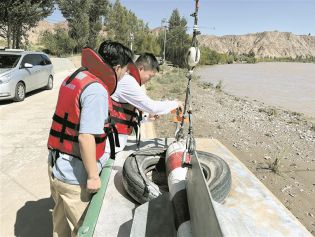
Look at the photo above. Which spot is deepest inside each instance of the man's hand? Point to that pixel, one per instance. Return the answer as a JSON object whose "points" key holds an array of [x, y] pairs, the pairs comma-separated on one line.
{"points": [[88, 154], [93, 184], [180, 105], [154, 117]]}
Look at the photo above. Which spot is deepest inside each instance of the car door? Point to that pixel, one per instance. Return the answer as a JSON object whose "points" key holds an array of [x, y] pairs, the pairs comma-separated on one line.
{"points": [[47, 69], [40, 72], [29, 75]]}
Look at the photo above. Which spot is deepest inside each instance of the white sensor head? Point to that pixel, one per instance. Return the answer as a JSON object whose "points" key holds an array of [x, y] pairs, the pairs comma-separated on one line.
{"points": [[193, 56]]}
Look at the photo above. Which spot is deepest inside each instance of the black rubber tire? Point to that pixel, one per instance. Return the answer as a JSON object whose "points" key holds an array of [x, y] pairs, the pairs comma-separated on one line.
{"points": [[50, 83], [19, 92], [142, 189], [135, 179], [217, 174]]}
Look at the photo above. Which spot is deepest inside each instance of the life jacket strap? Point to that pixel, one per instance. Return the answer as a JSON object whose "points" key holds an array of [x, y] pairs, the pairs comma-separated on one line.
{"points": [[124, 110], [111, 140], [125, 122], [63, 129], [138, 130], [73, 138], [67, 123], [73, 75], [62, 136]]}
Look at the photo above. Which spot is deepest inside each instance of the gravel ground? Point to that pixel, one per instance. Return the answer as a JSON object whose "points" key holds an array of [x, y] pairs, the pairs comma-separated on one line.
{"points": [[278, 146]]}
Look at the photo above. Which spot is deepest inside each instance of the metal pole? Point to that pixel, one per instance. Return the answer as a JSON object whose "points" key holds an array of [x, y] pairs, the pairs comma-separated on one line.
{"points": [[164, 44], [131, 39], [164, 25]]}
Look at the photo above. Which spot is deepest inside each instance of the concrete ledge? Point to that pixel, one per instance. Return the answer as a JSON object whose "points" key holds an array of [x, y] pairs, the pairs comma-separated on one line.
{"points": [[250, 209]]}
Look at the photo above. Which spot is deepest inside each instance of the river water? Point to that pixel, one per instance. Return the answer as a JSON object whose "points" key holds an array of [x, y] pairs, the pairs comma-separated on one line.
{"points": [[287, 85]]}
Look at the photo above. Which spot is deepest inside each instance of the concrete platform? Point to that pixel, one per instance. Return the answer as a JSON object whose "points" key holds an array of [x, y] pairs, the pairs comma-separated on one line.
{"points": [[118, 208], [249, 210]]}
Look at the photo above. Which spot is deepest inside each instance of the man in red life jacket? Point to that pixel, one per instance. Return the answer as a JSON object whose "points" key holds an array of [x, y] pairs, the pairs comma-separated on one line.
{"points": [[77, 139], [129, 96]]}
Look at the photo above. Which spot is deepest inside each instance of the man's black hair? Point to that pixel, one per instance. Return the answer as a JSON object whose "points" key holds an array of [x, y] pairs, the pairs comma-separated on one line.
{"points": [[114, 53], [148, 61]]}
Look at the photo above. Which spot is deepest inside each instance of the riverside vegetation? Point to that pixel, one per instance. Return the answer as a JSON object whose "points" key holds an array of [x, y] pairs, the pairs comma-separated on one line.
{"points": [[276, 145]]}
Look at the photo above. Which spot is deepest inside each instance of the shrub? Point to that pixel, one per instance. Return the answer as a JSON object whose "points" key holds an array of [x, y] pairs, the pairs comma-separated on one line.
{"points": [[57, 43]]}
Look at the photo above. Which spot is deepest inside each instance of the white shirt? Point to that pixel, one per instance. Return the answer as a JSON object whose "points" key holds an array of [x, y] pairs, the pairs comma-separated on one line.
{"points": [[129, 91]]}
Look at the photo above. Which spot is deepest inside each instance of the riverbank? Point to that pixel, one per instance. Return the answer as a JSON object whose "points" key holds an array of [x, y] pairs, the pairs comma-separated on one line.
{"points": [[275, 144]]}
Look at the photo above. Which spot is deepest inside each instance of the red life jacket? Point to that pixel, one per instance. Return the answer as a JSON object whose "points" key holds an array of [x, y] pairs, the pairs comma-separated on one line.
{"points": [[65, 126], [126, 116], [64, 131]]}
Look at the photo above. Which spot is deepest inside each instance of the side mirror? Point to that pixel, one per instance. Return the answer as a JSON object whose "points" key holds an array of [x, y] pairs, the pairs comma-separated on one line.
{"points": [[27, 65]]}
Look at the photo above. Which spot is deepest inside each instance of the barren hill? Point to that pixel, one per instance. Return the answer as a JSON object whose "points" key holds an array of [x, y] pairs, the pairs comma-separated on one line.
{"points": [[35, 32], [264, 44]]}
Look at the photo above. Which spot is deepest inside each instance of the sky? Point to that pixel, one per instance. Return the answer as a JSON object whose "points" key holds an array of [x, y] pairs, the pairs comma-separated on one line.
{"points": [[227, 17]]}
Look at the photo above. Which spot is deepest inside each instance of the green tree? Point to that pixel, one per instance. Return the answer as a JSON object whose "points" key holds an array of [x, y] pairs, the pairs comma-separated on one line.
{"points": [[57, 43], [18, 16], [178, 41], [209, 57], [77, 14], [98, 10], [122, 23], [84, 20]]}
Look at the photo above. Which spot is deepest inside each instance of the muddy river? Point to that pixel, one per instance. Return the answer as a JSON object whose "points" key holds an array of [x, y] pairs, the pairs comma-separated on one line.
{"points": [[287, 85]]}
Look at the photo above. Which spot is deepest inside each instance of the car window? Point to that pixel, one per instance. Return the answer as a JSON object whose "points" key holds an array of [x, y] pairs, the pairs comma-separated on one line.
{"points": [[27, 59], [9, 60], [38, 60], [46, 59], [34, 59]]}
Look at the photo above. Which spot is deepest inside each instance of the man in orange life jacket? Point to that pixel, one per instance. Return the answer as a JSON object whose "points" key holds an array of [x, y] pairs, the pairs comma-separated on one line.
{"points": [[129, 96], [77, 139]]}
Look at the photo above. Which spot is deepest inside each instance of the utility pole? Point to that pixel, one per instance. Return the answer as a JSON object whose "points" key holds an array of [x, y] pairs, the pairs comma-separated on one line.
{"points": [[131, 38], [164, 25]]}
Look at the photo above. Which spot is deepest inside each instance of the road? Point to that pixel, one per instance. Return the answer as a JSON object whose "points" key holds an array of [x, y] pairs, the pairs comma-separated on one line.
{"points": [[25, 203]]}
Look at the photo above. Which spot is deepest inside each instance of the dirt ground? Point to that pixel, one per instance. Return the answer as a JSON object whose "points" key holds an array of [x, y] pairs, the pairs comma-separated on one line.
{"points": [[25, 203], [278, 146]]}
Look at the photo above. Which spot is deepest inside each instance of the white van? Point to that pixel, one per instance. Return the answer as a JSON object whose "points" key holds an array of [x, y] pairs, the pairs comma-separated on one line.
{"points": [[22, 72]]}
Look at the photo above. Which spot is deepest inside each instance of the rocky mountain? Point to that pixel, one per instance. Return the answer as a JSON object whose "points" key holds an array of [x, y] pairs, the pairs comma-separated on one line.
{"points": [[264, 44], [35, 32]]}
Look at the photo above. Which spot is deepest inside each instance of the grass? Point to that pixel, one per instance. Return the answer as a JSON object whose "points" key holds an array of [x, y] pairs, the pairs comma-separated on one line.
{"points": [[219, 86], [205, 85], [269, 111], [275, 166], [172, 81]]}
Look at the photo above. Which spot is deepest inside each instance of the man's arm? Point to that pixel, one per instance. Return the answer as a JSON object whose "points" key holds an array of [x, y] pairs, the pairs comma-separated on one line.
{"points": [[88, 153], [94, 102], [129, 91]]}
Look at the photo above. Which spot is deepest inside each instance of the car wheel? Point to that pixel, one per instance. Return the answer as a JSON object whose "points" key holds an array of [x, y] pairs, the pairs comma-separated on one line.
{"points": [[50, 83], [19, 92]]}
